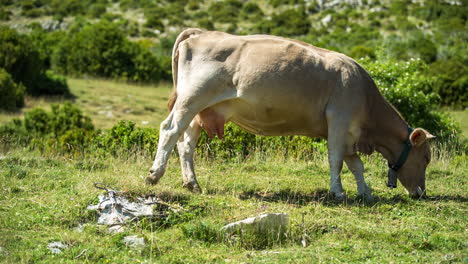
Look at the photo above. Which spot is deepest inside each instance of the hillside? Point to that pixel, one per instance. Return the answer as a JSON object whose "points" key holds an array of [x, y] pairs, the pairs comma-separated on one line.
{"points": [[434, 31]]}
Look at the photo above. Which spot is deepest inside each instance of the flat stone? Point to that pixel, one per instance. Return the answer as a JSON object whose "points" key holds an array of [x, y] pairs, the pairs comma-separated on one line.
{"points": [[135, 242], [56, 247], [265, 223], [3, 251]]}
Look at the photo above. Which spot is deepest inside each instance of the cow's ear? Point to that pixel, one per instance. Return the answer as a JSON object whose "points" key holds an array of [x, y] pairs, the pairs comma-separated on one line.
{"points": [[419, 136]]}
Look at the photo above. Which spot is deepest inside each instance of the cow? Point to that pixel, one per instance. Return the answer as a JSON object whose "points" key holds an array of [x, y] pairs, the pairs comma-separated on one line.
{"points": [[275, 86]]}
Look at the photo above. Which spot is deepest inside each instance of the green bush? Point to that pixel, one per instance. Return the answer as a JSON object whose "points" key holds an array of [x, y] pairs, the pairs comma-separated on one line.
{"points": [[97, 10], [277, 3], [193, 5], [66, 8], [402, 84], [64, 128], [251, 11], [153, 21], [12, 94], [126, 139], [103, 50], [5, 14], [205, 23], [292, 22], [225, 11], [450, 82], [239, 144], [362, 52], [20, 57], [32, 13]]}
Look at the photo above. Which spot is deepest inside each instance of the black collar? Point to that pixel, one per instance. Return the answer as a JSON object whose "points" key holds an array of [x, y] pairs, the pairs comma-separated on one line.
{"points": [[392, 175]]}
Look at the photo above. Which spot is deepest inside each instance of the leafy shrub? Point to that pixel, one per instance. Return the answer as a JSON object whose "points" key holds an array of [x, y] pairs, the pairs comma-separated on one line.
{"points": [[205, 23], [362, 52], [193, 5], [22, 60], [251, 11], [66, 8], [225, 11], [97, 10], [12, 94], [402, 84], [103, 50], [277, 3], [125, 139], [238, 143], [450, 82], [344, 40], [5, 14], [291, 22], [154, 22], [32, 13], [64, 128]]}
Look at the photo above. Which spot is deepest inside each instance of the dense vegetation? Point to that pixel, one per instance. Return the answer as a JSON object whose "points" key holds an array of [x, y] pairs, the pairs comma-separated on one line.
{"points": [[23, 68], [384, 36], [98, 31]]}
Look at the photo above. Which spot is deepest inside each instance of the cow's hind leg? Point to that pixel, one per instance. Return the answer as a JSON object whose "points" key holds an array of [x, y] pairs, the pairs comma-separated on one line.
{"points": [[186, 147], [357, 168], [170, 131], [335, 159]]}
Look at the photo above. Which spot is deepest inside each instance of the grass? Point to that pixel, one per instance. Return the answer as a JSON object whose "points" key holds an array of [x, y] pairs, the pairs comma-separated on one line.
{"points": [[461, 117], [108, 102], [43, 198]]}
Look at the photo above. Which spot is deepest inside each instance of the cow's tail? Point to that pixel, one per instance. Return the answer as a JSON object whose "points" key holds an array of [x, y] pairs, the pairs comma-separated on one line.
{"points": [[175, 61]]}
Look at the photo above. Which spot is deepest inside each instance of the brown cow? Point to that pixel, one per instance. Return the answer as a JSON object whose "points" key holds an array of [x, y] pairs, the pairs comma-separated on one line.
{"points": [[275, 86]]}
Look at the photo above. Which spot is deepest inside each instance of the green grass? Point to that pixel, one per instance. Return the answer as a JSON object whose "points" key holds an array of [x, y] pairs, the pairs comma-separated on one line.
{"points": [[107, 102], [43, 198], [462, 118]]}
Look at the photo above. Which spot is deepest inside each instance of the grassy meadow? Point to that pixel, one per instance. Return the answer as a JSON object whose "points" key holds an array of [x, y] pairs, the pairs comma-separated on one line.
{"points": [[43, 198]]}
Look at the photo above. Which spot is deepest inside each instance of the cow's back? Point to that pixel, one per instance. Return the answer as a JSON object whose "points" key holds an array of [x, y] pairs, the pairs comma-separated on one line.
{"points": [[283, 86]]}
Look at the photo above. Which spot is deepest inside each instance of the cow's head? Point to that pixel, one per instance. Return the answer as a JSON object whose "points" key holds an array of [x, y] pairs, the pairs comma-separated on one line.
{"points": [[413, 173]]}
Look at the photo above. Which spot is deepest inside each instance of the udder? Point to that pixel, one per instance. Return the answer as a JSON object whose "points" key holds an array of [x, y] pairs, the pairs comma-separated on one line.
{"points": [[212, 121]]}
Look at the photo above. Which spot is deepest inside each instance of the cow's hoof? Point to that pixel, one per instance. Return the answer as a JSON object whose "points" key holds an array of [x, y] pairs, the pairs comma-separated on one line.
{"points": [[366, 197], [339, 196], [152, 180], [193, 187]]}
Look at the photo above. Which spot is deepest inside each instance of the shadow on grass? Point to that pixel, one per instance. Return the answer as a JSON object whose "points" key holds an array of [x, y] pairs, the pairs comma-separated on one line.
{"points": [[454, 198], [324, 197]]}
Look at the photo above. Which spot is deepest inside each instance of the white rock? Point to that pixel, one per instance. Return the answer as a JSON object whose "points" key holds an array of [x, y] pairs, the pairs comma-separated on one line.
{"points": [[265, 223], [119, 210], [3, 251], [116, 229], [134, 242], [56, 247], [327, 19]]}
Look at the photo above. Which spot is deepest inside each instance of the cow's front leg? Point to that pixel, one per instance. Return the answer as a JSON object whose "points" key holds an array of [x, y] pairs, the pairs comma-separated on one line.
{"points": [[357, 168], [170, 131], [186, 147]]}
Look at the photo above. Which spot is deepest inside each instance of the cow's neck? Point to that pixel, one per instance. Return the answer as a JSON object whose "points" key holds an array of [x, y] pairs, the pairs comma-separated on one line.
{"points": [[390, 131]]}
